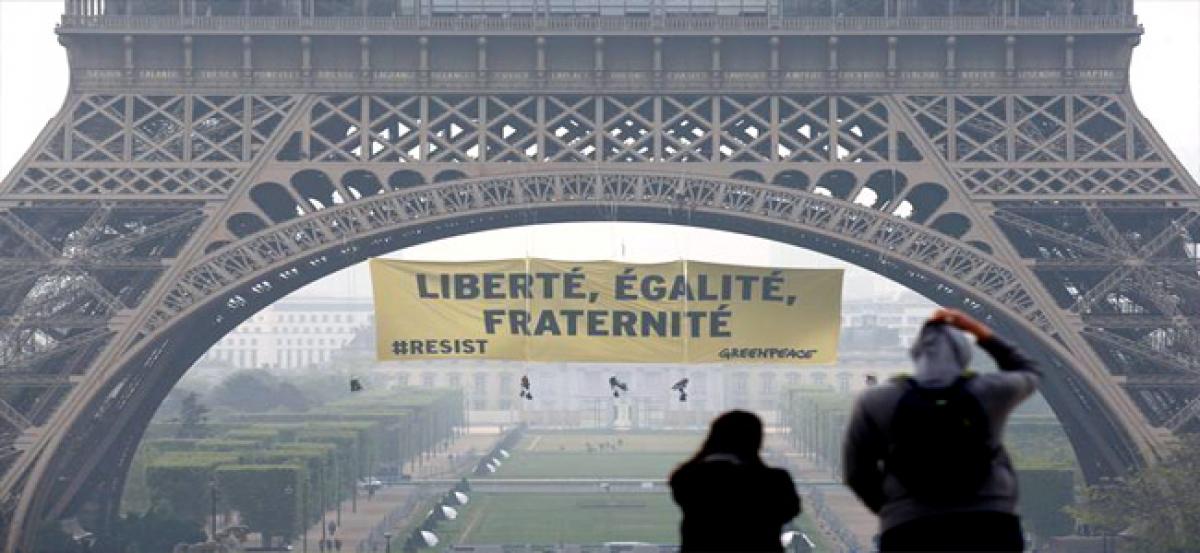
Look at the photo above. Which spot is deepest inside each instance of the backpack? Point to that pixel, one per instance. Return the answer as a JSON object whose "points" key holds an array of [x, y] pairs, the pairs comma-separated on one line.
{"points": [[941, 442]]}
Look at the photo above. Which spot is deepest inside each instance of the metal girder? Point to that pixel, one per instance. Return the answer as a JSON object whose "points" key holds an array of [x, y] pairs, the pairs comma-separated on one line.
{"points": [[36, 380], [31, 237], [1134, 321], [1170, 304], [25, 360], [68, 275], [1161, 381], [1166, 235], [1184, 363], [1183, 415], [323, 228], [125, 264], [1102, 224], [1117, 251], [93, 286], [1052, 233], [8, 453], [1102, 288], [13, 416], [1095, 264], [87, 231], [20, 278], [55, 321], [1175, 278], [112, 247], [1130, 263]]}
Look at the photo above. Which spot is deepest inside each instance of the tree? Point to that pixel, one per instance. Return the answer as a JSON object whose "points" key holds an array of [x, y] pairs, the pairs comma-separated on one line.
{"points": [[257, 391], [151, 532], [321, 387], [178, 482], [249, 391], [267, 497], [51, 537], [1046, 493], [1157, 508], [289, 397], [193, 418]]}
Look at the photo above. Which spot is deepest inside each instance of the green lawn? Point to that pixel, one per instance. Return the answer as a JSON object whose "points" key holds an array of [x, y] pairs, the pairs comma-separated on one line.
{"points": [[590, 465], [641, 442], [584, 518], [565, 518], [546, 519], [566, 455]]}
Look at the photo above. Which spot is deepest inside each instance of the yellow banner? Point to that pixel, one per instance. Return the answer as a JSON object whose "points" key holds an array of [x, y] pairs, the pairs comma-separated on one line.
{"points": [[602, 311]]}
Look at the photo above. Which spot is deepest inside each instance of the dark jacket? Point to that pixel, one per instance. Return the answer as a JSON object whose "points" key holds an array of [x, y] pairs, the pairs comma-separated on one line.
{"points": [[732, 506], [869, 434]]}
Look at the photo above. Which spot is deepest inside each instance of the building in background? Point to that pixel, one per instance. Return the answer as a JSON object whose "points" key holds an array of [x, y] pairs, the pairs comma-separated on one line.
{"points": [[874, 341], [314, 333], [903, 311], [293, 334]]}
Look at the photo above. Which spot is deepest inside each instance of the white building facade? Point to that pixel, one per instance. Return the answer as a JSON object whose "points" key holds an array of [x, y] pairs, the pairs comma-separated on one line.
{"points": [[338, 334], [293, 334]]}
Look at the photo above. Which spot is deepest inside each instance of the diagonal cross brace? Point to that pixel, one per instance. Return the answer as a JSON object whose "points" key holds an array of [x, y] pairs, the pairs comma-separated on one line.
{"points": [[162, 227], [13, 416], [81, 339], [34, 379], [1122, 272], [1184, 363], [1107, 229], [45, 248], [1054, 234], [1183, 415]]}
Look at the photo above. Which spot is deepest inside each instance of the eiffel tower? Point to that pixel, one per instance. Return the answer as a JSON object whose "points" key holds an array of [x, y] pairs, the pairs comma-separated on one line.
{"points": [[214, 155]]}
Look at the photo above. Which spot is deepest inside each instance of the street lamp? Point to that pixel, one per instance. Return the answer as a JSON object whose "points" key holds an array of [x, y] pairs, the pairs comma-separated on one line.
{"points": [[337, 496], [387, 536], [212, 493], [321, 500], [289, 492], [304, 521]]}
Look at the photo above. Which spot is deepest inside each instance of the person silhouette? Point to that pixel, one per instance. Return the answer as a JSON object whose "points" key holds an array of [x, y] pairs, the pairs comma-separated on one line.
{"points": [[731, 500], [925, 452], [526, 389]]}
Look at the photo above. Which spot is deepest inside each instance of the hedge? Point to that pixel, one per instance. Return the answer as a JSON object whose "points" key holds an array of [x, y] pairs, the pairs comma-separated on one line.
{"points": [[219, 444], [1044, 496], [264, 436], [179, 481], [267, 497], [320, 454]]}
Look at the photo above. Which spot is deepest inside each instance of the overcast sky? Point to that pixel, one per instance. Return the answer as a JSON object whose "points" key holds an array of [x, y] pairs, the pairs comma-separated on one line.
{"points": [[1166, 84]]}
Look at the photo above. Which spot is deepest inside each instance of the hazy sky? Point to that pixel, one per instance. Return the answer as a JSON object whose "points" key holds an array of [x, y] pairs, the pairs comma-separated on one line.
{"points": [[1166, 84]]}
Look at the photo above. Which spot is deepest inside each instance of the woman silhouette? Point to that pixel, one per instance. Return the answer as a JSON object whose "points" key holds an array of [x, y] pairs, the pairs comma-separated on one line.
{"points": [[730, 500]]}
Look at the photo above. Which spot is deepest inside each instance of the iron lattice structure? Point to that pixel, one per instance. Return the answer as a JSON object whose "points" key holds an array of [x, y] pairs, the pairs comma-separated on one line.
{"points": [[213, 156]]}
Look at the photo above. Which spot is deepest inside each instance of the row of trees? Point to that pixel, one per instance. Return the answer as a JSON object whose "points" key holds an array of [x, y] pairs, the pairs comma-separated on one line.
{"points": [[1154, 510], [817, 416], [278, 471]]}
